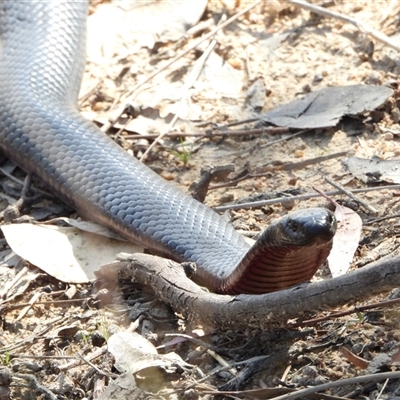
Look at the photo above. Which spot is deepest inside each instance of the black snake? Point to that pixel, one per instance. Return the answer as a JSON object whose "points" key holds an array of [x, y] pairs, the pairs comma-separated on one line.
{"points": [[42, 57]]}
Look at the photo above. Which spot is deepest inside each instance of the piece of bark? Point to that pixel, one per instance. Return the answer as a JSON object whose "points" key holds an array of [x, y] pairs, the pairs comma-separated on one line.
{"points": [[198, 190]]}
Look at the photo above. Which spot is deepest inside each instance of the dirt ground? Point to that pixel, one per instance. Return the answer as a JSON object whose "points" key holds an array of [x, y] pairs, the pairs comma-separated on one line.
{"points": [[273, 54]]}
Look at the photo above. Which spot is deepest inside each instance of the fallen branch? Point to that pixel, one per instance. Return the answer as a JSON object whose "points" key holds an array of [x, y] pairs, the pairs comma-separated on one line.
{"points": [[171, 285]]}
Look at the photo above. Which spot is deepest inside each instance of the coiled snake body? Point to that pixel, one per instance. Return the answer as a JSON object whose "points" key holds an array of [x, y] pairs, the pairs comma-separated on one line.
{"points": [[42, 56]]}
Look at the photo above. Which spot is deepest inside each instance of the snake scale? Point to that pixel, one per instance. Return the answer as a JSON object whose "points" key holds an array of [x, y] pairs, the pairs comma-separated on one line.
{"points": [[42, 57]]}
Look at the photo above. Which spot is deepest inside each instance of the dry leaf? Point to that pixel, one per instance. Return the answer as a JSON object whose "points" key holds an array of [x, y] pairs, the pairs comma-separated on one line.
{"points": [[326, 107], [354, 359], [374, 170], [133, 353], [396, 357], [67, 254], [346, 240], [91, 227]]}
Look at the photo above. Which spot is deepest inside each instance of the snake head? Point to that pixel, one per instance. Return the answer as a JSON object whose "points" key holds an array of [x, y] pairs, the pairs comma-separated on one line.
{"points": [[287, 253], [308, 227]]}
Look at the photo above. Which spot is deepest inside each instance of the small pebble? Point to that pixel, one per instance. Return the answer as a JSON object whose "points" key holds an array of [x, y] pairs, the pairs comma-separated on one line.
{"points": [[5, 376], [388, 136], [167, 176], [98, 339], [395, 115], [318, 78]]}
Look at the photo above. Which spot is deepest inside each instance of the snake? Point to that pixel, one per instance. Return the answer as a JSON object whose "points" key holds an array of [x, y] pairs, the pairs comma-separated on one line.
{"points": [[42, 59]]}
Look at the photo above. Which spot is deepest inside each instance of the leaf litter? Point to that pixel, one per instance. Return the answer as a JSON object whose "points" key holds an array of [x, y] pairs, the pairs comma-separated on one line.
{"points": [[272, 55]]}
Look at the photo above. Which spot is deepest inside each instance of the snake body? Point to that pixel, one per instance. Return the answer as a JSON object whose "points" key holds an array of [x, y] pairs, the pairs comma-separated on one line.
{"points": [[42, 57]]}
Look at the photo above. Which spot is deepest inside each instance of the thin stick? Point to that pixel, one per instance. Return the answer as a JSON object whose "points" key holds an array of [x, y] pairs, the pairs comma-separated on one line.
{"points": [[354, 310], [361, 26], [351, 195], [109, 374], [299, 197], [343, 382], [244, 132], [18, 355], [31, 303], [34, 384], [47, 302], [222, 362], [310, 161], [89, 357], [131, 94], [284, 139]]}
